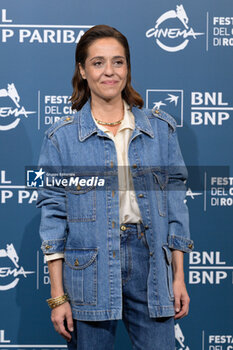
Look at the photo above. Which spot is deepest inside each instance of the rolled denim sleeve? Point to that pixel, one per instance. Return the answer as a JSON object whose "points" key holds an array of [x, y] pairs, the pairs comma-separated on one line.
{"points": [[178, 214], [52, 201]]}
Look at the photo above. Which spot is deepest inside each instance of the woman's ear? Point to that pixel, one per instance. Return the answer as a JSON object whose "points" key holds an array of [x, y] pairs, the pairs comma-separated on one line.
{"points": [[82, 71]]}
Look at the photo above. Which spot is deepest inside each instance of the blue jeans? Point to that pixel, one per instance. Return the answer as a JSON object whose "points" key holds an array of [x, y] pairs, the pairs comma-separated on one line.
{"points": [[145, 333]]}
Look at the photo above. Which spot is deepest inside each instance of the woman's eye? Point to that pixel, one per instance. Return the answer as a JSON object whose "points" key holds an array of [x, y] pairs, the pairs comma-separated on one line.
{"points": [[97, 64], [118, 63]]}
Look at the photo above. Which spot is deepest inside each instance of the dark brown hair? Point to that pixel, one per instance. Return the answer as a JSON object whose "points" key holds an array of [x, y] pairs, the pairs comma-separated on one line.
{"points": [[81, 91]]}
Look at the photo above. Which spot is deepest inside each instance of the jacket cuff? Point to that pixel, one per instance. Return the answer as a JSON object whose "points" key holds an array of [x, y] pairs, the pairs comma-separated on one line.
{"points": [[180, 243], [53, 246]]}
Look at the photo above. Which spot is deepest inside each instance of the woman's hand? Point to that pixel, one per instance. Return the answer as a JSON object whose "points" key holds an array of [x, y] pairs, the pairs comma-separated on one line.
{"points": [[59, 315], [181, 302]]}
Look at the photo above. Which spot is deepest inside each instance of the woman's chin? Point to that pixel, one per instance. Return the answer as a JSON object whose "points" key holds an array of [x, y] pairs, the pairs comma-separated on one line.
{"points": [[110, 97]]}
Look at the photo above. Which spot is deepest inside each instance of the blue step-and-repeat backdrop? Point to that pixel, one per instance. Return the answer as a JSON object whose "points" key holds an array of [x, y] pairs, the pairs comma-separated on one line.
{"points": [[182, 63]]}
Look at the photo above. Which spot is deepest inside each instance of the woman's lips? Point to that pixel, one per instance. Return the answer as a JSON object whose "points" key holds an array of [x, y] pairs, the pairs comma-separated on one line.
{"points": [[110, 82]]}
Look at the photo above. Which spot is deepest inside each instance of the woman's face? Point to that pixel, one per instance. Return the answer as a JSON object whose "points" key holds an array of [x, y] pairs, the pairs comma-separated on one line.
{"points": [[105, 69]]}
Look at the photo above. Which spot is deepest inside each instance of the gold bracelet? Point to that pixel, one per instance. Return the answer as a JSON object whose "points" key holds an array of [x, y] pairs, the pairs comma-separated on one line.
{"points": [[54, 302]]}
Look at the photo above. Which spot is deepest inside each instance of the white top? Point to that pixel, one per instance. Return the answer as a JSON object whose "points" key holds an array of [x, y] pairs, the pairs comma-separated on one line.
{"points": [[129, 211]]}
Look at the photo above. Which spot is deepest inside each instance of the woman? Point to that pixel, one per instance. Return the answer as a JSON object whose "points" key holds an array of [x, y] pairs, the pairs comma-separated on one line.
{"points": [[117, 254]]}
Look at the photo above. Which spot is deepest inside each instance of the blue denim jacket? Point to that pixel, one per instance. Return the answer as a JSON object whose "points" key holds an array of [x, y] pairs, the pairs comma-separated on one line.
{"points": [[83, 222]]}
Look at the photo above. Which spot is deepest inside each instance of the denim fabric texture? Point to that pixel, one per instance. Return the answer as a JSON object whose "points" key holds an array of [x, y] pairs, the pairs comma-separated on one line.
{"points": [[145, 333], [83, 223]]}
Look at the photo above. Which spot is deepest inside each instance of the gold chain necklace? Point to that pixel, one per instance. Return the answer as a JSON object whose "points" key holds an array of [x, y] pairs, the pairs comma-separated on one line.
{"points": [[111, 123], [106, 123]]}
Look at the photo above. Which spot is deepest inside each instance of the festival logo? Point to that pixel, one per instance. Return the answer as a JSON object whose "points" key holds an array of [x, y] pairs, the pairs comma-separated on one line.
{"points": [[169, 36], [180, 339], [15, 111], [54, 107], [221, 191], [220, 341], [222, 31], [11, 274]]}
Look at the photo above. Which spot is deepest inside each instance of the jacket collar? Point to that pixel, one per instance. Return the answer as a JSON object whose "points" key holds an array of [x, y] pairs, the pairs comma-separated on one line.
{"points": [[87, 126]]}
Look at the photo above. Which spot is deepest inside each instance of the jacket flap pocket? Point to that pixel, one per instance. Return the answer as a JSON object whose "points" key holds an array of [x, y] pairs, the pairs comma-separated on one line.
{"points": [[168, 254], [161, 178], [79, 259]]}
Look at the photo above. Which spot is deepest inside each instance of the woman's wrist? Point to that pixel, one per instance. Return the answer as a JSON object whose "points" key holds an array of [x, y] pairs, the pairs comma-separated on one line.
{"points": [[178, 277], [177, 265], [55, 272], [56, 292]]}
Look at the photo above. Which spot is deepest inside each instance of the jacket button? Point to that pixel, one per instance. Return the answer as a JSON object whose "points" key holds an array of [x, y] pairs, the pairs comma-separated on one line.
{"points": [[111, 164], [113, 224], [141, 195], [114, 254], [78, 187], [48, 246], [76, 263], [151, 253], [146, 227], [113, 194], [134, 166], [67, 119], [157, 111], [123, 228], [190, 246]]}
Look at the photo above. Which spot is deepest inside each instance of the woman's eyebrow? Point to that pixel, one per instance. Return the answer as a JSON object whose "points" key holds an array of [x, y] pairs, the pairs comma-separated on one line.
{"points": [[97, 57], [102, 57], [118, 57]]}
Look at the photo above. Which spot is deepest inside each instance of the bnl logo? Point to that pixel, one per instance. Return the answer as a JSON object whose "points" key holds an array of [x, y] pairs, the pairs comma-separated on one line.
{"points": [[35, 178]]}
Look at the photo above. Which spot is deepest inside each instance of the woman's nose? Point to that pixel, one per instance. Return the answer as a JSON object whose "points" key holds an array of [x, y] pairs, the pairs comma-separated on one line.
{"points": [[109, 68]]}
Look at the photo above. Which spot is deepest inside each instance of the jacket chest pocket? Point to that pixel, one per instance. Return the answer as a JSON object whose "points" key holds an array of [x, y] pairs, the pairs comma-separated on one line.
{"points": [[160, 182], [80, 275], [81, 204]]}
